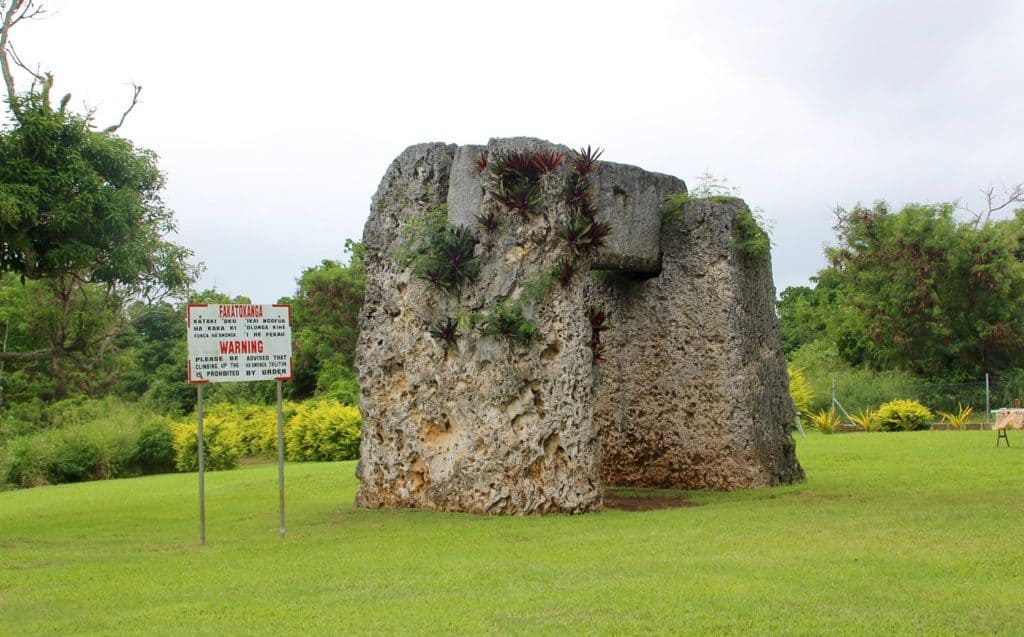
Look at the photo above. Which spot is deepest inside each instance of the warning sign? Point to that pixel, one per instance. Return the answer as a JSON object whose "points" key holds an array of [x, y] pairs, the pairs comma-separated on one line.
{"points": [[237, 343]]}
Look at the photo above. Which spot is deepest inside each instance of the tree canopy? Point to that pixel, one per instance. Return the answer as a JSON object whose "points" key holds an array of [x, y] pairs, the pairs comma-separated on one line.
{"points": [[83, 230], [918, 290], [84, 203]]}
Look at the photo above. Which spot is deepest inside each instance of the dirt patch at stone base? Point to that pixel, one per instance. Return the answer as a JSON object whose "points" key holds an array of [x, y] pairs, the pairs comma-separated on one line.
{"points": [[633, 503]]}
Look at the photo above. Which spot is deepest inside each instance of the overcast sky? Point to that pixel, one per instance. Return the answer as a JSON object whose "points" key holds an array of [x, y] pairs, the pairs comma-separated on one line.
{"points": [[275, 123]]}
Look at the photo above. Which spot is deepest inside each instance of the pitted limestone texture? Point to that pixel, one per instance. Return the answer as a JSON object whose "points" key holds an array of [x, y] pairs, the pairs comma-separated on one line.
{"points": [[693, 382], [694, 394]]}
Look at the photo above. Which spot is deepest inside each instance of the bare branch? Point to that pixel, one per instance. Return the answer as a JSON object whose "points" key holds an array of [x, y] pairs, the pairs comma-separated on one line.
{"points": [[17, 60], [44, 79], [34, 355], [17, 11], [1011, 195], [994, 202], [135, 100], [10, 19], [25, 10]]}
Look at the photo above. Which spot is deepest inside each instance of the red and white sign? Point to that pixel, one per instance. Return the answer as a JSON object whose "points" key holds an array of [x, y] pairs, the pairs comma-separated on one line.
{"points": [[238, 343]]}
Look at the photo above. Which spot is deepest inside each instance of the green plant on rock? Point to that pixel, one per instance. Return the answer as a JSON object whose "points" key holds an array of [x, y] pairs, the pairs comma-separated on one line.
{"points": [[671, 207], [480, 164], [583, 237], [517, 196], [749, 238], [488, 220], [827, 422], [585, 159], [904, 415], [506, 321], [446, 331], [563, 272], [438, 251], [537, 286], [582, 232], [515, 177]]}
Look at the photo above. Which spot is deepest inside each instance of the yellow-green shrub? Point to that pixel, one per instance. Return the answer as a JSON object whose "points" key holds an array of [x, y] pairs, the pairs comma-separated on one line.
{"points": [[959, 418], [222, 449], [800, 391], [827, 422], [903, 415], [323, 430], [254, 427], [867, 419]]}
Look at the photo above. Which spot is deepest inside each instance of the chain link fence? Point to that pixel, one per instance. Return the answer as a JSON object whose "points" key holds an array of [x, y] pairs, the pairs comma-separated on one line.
{"points": [[853, 395]]}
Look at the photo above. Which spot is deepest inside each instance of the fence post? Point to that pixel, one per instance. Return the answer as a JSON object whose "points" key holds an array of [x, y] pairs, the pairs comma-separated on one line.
{"points": [[988, 405]]}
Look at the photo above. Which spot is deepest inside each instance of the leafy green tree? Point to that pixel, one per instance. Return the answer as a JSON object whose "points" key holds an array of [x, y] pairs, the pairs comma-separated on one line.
{"points": [[325, 324], [935, 296], [79, 325], [823, 313], [81, 220], [156, 340]]}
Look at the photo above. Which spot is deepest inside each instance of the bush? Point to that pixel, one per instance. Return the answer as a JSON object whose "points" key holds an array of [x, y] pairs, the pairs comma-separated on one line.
{"points": [[827, 422], [958, 418], [856, 389], [22, 418], [221, 447], [800, 392], [95, 450], [337, 381], [253, 427], [324, 430], [904, 415], [867, 420], [154, 452], [24, 462]]}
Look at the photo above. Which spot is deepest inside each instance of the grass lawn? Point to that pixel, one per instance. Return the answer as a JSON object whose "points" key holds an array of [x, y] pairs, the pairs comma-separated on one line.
{"points": [[899, 533]]}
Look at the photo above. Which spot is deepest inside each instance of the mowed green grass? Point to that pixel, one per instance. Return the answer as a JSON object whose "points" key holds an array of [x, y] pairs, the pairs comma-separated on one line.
{"points": [[902, 533]]}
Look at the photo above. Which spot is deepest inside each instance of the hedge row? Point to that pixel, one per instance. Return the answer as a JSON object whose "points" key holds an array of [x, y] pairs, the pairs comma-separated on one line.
{"points": [[125, 440]]}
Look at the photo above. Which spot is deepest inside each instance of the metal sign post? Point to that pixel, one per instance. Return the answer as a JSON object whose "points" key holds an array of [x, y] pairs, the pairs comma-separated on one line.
{"points": [[202, 467], [280, 455], [239, 343]]}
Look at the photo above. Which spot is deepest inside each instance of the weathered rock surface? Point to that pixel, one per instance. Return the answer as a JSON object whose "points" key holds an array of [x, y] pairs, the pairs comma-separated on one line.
{"points": [[693, 385], [629, 198], [488, 425], [694, 392]]}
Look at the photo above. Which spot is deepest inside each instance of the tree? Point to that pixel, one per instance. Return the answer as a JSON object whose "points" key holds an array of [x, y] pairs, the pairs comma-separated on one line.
{"points": [[325, 322], [80, 212], [936, 296], [823, 313]]}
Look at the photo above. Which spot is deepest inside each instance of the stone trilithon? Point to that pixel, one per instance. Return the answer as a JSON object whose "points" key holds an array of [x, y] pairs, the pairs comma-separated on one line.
{"points": [[559, 360]]}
